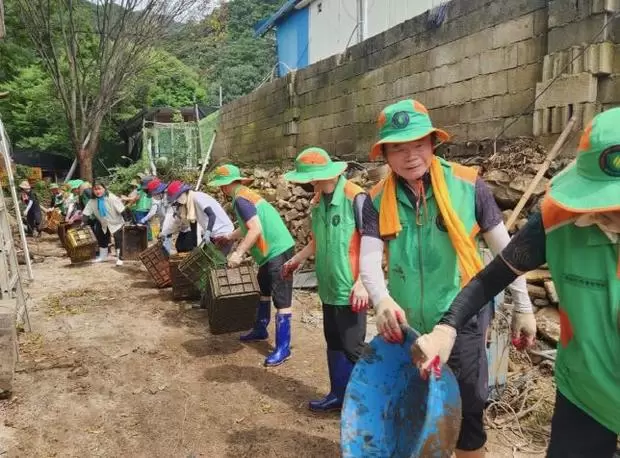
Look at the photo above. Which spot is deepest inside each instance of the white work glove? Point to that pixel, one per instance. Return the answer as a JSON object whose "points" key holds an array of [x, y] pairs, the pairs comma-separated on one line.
{"points": [[389, 318], [432, 350], [358, 297], [523, 330], [142, 222], [206, 236], [234, 259]]}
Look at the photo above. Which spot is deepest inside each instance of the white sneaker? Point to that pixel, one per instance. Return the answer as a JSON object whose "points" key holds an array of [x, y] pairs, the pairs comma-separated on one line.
{"points": [[119, 262], [103, 255]]}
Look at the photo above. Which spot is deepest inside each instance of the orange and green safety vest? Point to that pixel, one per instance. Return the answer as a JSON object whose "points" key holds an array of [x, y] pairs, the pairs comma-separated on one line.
{"points": [[585, 266], [337, 244], [423, 272], [275, 238]]}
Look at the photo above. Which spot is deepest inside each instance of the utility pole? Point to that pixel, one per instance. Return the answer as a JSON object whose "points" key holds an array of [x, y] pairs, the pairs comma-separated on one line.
{"points": [[361, 20]]}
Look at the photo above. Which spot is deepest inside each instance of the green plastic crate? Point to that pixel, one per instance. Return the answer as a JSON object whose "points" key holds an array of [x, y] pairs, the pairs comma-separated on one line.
{"points": [[198, 265]]}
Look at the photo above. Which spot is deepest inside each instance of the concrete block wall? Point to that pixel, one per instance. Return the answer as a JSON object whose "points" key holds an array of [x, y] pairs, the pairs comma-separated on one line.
{"points": [[477, 73], [580, 71]]}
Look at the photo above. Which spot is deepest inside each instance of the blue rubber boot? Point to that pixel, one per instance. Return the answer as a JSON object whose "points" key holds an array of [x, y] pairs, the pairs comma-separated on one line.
{"points": [[283, 341], [340, 368], [263, 316]]}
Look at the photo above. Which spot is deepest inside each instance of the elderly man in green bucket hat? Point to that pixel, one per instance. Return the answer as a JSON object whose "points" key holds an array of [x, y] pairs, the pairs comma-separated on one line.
{"points": [[577, 233], [265, 236], [430, 216], [336, 233]]}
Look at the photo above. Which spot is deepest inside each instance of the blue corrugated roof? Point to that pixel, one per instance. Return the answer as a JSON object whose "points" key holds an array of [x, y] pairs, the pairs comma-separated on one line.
{"points": [[263, 26]]}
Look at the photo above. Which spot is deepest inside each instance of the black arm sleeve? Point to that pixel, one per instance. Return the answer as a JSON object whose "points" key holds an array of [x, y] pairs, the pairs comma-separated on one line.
{"points": [[478, 292], [526, 251], [370, 220], [211, 216]]}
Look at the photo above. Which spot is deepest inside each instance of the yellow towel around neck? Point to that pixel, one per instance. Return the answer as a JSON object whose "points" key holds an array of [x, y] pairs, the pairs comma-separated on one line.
{"points": [[190, 207], [389, 221]]}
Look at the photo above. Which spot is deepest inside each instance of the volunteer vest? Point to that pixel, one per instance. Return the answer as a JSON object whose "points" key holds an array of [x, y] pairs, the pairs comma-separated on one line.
{"points": [[337, 244], [423, 272], [275, 238], [144, 202], [585, 266]]}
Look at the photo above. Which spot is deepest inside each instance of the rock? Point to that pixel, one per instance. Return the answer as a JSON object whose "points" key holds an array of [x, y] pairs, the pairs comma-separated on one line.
{"points": [[284, 204], [260, 174], [299, 191], [536, 292], [551, 292], [291, 215], [302, 204], [541, 302], [548, 323], [538, 276], [522, 182]]}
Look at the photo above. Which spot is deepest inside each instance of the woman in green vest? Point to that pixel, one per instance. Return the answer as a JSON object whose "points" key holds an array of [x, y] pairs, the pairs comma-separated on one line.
{"points": [[140, 203], [262, 232], [428, 214], [336, 232], [577, 234]]}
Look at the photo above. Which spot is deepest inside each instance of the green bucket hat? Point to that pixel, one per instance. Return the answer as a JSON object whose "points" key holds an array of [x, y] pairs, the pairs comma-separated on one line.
{"points": [[74, 184], [314, 164], [592, 183], [54, 186], [403, 122], [226, 174]]}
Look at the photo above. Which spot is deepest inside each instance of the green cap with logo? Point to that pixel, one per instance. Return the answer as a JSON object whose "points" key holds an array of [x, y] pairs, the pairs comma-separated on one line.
{"points": [[226, 174], [403, 122], [314, 164], [592, 183]]}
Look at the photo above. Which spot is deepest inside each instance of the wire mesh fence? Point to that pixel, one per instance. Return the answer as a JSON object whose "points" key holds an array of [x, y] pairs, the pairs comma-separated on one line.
{"points": [[180, 145]]}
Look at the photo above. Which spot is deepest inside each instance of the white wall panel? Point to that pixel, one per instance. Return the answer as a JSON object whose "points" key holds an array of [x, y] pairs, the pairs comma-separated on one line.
{"points": [[332, 22]]}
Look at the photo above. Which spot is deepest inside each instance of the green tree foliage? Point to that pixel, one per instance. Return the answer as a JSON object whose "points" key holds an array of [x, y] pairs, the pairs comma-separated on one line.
{"points": [[224, 49], [188, 68]]}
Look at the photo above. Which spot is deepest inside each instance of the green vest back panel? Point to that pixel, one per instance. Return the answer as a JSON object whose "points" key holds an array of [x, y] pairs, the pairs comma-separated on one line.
{"points": [[276, 238], [584, 265]]}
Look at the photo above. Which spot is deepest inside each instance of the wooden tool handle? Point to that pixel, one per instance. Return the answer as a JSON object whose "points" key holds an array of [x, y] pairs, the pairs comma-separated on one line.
{"points": [[541, 172]]}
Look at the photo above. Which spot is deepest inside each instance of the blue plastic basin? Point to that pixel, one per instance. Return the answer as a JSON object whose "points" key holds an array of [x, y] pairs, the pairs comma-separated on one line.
{"points": [[390, 411]]}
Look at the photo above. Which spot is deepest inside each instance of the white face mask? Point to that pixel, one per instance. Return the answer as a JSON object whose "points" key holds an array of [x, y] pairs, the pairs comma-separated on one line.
{"points": [[182, 200], [609, 223]]}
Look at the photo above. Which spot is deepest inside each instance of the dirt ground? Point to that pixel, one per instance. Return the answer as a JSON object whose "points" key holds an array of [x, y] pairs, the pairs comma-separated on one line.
{"points": [[113, 367]]}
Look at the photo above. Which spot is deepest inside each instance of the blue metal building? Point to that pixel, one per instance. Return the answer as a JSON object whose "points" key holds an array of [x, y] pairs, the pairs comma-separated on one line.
{"points": [[291, 27]]}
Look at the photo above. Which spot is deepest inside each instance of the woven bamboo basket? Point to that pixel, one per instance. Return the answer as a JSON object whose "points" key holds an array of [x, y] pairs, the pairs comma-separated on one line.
{"points": [[182, 287], [157, 263], [231, 299], [81, 244]]}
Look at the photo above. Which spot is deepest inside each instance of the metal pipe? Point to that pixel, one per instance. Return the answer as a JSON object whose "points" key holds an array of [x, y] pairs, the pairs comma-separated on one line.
{"points": [[303, 4], [205, 159]]}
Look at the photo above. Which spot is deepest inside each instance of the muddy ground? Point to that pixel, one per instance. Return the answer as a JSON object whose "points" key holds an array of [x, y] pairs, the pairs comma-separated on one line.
{"points": [[113, 367]]}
